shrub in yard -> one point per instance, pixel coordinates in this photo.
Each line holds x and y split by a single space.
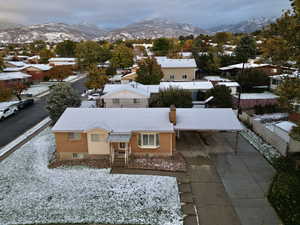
61 97
172 96
284 193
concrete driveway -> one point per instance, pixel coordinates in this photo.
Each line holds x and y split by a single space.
227 189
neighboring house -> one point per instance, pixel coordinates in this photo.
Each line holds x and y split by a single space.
269 70
69 62
37 71
178 69
126 96
128 77
14 64
250 100
276 80
194 87
283 129
11 78
119 133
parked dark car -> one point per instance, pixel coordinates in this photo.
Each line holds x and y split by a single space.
25 103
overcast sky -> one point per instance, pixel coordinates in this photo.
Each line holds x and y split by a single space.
117 13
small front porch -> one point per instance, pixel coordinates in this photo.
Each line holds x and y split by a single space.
120 149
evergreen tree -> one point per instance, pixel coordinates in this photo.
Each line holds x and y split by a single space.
66 48
1 64
222 96
289 93
61 97
172 96
246 49
45 55
252 77
161 46
149 72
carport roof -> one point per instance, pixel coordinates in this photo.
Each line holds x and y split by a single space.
207 119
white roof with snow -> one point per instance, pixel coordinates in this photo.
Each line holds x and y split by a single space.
265 95
43 67
286 126
17 64
215 78
284 76
117 120
190 85
229 84
176 63
246 66
207 119
62 59
13 76
128 91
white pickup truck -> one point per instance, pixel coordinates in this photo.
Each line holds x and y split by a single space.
7 109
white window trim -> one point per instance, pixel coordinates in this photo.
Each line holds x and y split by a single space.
121 147
149 146
74 139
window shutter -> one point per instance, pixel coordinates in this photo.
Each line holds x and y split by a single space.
139 139
157 139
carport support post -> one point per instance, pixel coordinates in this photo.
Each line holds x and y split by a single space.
178 134
237 133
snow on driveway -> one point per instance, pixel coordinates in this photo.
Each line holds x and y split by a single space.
30 193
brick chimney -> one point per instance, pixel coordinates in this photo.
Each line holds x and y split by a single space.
172 114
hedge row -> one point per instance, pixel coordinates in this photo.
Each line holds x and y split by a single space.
284 193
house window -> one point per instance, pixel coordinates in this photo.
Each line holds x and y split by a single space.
184 76
116 101
122 145
148 140
74 136
172 77
274 70
95 137
297 108
136 101
77 156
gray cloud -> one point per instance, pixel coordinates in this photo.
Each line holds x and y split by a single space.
117 13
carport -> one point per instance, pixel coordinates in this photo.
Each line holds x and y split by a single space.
208 120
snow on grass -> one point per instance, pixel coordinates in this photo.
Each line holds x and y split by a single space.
30 193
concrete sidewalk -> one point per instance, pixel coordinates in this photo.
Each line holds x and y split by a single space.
246 178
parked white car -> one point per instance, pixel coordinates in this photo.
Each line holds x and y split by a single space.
7 109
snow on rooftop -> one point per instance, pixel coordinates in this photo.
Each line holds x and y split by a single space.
207 119
176 63
215 78
246 66
17 64
296 74
62 59
286 125
134 119
192 85
31 193
229 84
265 95
13 75
128 91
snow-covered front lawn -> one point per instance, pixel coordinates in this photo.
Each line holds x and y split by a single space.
30 193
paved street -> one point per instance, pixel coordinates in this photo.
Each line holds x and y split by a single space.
16 125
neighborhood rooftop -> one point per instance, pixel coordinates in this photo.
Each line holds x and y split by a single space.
265 95
176 63
246 66
126 120
117 120
13 75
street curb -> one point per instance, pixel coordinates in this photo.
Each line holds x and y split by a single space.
24 138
